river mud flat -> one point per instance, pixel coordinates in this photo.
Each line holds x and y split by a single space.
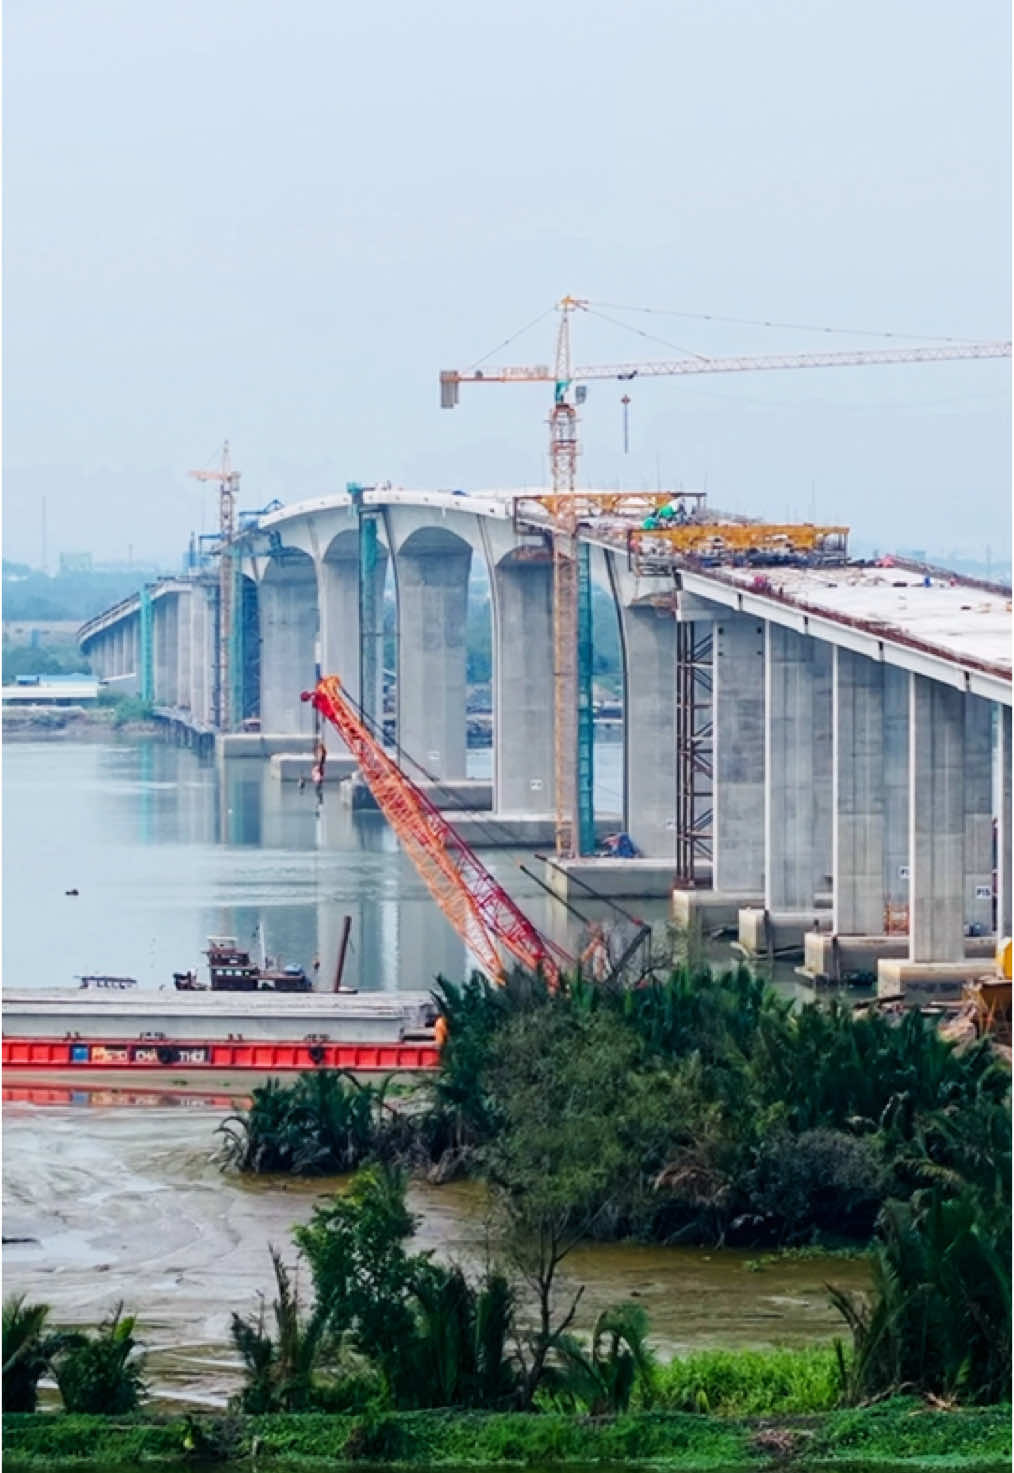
129 1203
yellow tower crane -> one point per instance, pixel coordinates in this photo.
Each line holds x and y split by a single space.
564 449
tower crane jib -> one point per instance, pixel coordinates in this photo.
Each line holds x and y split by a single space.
564 448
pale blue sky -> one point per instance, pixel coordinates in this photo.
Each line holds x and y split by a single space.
278 222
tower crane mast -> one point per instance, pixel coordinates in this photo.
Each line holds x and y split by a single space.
228 490
564 448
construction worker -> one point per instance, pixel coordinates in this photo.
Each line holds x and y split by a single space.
440 1030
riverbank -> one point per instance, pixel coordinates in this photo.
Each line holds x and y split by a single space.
79 723
903 1433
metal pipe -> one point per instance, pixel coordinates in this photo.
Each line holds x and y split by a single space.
343 947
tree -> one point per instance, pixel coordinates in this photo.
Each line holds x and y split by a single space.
362 1276
438 1339
577 1119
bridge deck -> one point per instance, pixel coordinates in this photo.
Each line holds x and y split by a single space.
959 619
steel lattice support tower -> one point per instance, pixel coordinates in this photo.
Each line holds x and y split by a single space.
694 752
371 624
585 705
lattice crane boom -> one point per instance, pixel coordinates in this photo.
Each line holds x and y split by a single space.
477 906
543 373
228 490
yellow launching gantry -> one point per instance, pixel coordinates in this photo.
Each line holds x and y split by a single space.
760 543
656 526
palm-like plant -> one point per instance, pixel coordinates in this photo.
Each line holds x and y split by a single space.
939 1318
280 1371
27 1351
603 1378
323 1124
99 1373
459 1354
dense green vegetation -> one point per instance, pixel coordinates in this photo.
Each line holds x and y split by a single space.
900 1433
324 1124
705 1109
699 1109
751 1383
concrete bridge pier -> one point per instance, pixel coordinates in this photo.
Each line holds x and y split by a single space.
979 810
287 596
793 726
1002 789
895 780
202 653
521 590
870 833
649 729
431 576
166 650
858 794
184 614
823 768
941 760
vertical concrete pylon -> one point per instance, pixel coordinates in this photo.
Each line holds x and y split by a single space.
287 602
649 727
896 828
977 891
184 614
788 761
858 794
936 820
823 761
739 754
431 573
1002 782
521 591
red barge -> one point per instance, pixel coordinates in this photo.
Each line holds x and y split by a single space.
249 1018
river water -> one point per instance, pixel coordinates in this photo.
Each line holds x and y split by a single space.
165 849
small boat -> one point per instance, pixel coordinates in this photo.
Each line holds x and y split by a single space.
115 984
231 969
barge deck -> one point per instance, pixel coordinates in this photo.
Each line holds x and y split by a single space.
365 1032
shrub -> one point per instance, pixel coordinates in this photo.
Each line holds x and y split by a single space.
98 1372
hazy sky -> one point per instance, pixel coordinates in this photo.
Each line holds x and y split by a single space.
278 222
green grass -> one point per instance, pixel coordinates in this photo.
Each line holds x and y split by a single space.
751 1383
907 1430
897 1434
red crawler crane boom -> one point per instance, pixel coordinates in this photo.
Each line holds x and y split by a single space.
480 910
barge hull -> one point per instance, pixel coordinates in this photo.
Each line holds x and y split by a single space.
83 1054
